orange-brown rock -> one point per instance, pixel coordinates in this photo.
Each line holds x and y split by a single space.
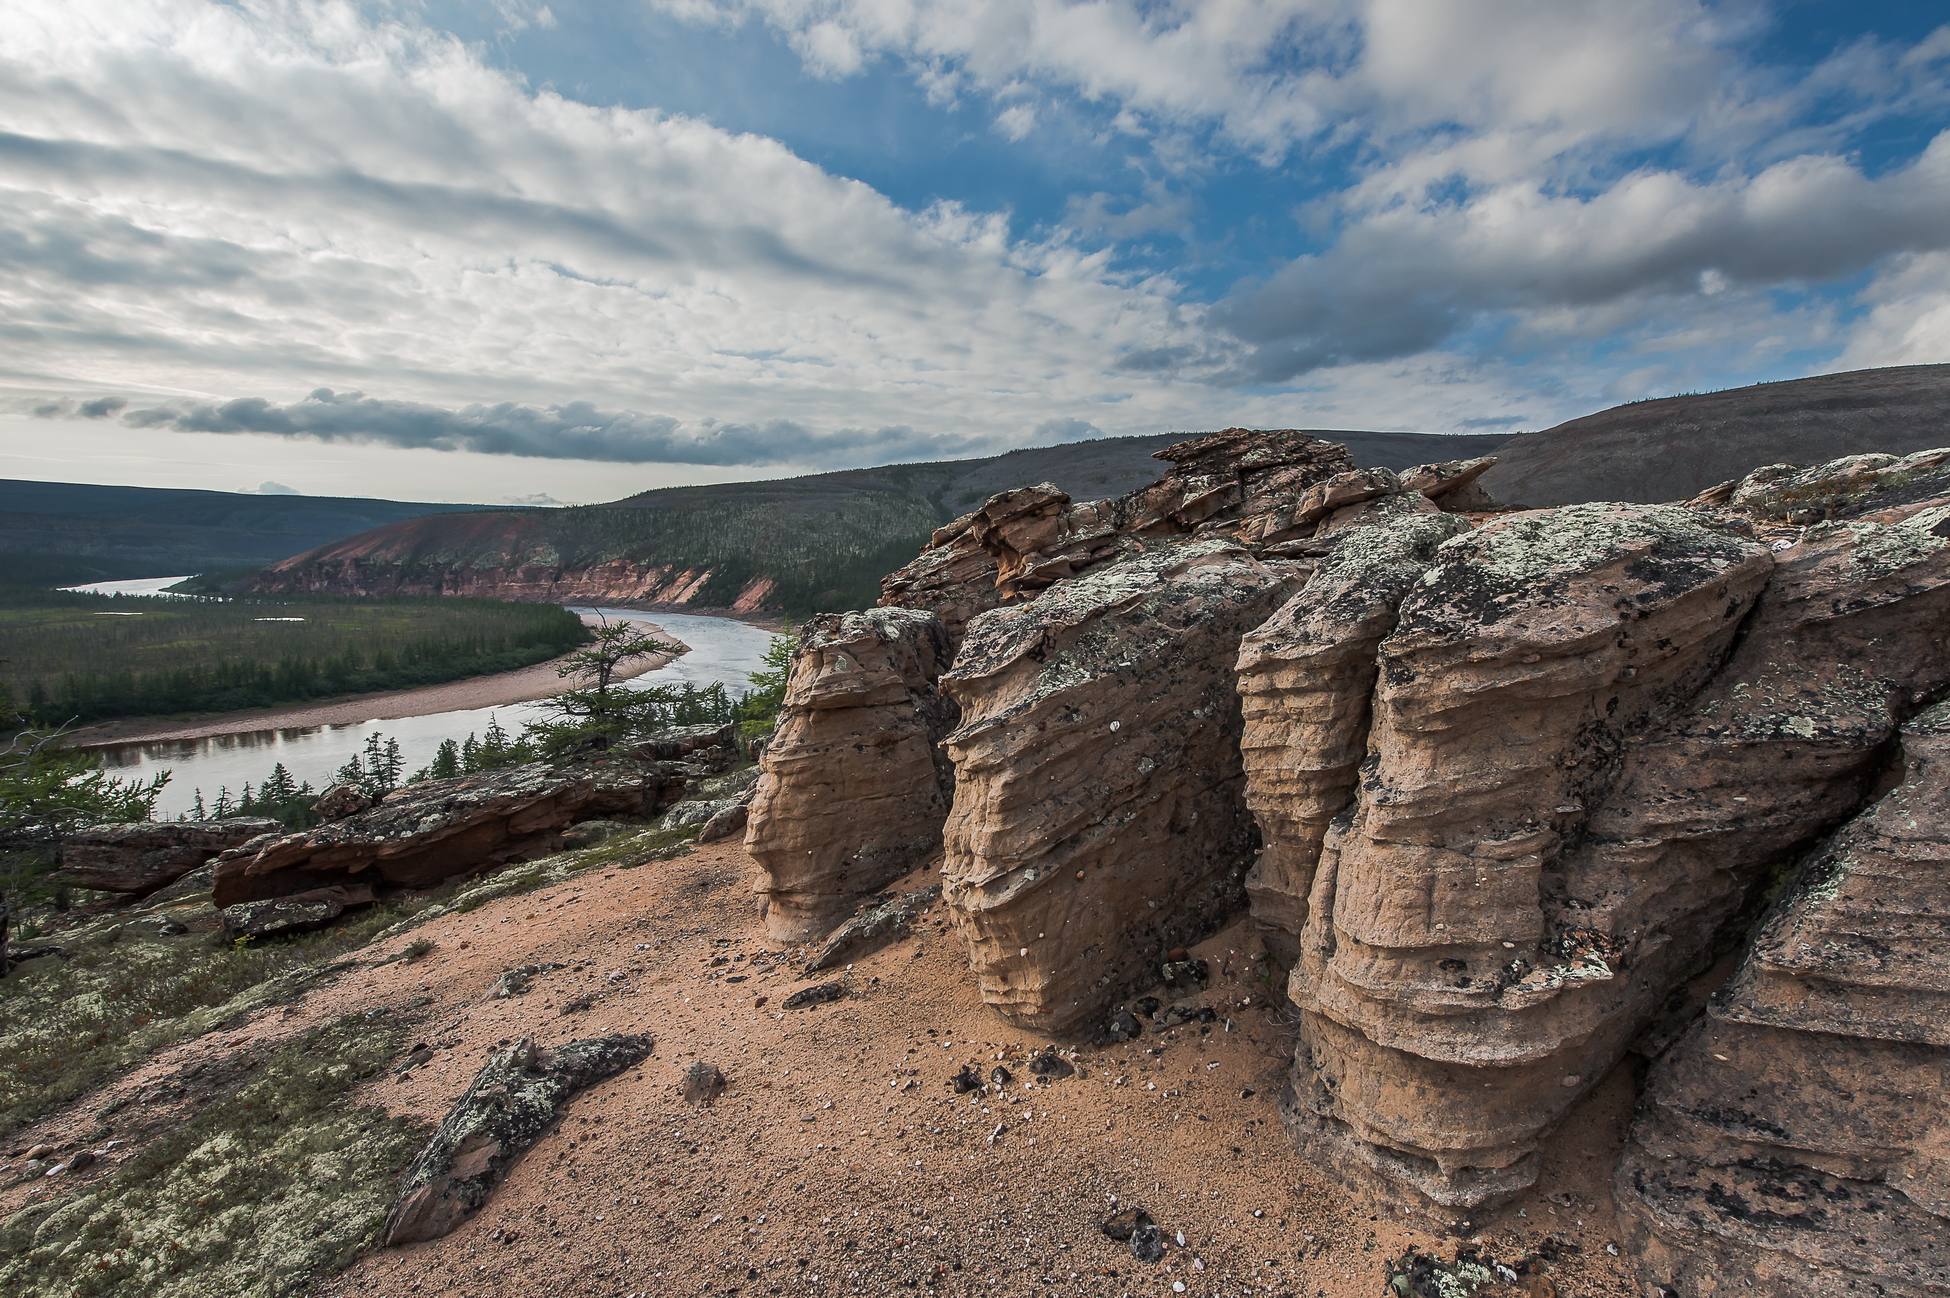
1099 818
440 829
144 856
1793 1141
854 788
1439 963
1453 483
1306 680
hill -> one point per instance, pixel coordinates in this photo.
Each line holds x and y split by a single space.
65 533
802 544
1676 447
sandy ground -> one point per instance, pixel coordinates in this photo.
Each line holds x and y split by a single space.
535 682
840 1160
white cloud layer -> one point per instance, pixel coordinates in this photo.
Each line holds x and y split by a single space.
209 210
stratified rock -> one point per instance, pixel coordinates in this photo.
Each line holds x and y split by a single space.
1839 489
853 787
510 1104
714 747
880 921
1792 1141
1098 818
1306 679
1444 940
425 833
1453 484
300 911
141 857
1021 541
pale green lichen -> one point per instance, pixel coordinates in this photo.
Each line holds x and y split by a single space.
256 1195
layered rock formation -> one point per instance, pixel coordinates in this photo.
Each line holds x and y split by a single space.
1099 817
428 832
1793 1141
145 856
1574 778
853 789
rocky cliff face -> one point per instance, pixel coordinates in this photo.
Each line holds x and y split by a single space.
1793 1140
1099 817
854 786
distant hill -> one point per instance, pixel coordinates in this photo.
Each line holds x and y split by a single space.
802 544
1676 447
66 533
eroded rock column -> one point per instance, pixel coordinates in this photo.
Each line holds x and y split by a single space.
1099 817
1530 654
853 788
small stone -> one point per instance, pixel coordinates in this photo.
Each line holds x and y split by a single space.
966 1080
1052 1065
419 1056
40 1151
86 1158
1148 1245
1147 1005
999 1076
702 1083
1119 1225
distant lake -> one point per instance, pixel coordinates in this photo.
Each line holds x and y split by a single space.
723 650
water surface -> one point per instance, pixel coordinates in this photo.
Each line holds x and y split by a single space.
723 650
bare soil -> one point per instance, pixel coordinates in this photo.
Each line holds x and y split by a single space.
538 681
840 1160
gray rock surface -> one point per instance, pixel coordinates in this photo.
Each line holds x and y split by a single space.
509 1106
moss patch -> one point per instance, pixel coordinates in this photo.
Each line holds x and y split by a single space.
256 1195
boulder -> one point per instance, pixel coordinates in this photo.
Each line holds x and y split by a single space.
295 913
880 921
1453 484
725 822
1792 1141
425 833
853 788
1098 816
1444 954
142 856
1306 679
341 800
714 747
511 1103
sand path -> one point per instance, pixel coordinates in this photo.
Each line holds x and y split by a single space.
519 686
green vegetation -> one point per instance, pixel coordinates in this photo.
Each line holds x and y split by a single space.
46 788
74 657
758 711
256 1193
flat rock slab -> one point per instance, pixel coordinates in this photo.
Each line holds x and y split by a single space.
142 856
510 1105
294 913
880 921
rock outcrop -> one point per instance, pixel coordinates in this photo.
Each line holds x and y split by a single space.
1306 680
512 1102
1793 1141
1099 818
144 856
429 832
1448 957
853 786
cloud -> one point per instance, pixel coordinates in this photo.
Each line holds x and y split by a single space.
1406 279
1054 432
269 488
574 431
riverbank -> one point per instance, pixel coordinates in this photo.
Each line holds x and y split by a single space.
538 681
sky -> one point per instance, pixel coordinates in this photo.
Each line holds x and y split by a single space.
506 251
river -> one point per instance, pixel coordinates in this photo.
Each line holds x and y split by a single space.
723 650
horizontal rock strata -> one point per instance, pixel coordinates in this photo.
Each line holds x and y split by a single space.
1099 818
1793 1141
142 857
439 829
853 787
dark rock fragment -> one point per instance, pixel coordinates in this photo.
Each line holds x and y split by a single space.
304 910
966 1080
1052 1065
819 995
1148 1243
511 1102
1120 1225
880 921
702 1083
